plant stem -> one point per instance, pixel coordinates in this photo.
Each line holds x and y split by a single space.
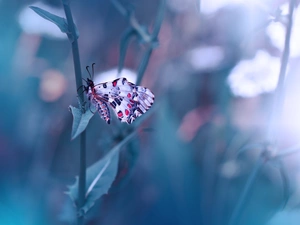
238 208
136 28
76 59
132 20
143 65
82 176
287 152
272 128
75 50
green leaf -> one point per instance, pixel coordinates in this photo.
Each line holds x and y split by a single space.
99 177
80 121
59 21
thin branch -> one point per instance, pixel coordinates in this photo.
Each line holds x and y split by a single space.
132 20
285 184
126 37
75 51
120 8
159 19
76 59
287 152
154 41
272 128
82 176
143 65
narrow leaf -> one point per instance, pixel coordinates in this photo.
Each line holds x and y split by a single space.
286 185
287 152
99 176
120 8
250 147
159 18
59 21
80 121
128 34
99 179
143 65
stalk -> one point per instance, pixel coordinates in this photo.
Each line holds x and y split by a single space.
76 60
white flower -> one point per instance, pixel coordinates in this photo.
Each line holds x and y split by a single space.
205 57
259 75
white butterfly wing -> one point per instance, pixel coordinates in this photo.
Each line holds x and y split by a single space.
127 100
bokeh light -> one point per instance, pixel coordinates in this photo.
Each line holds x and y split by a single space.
113 74
206 57
209 7
255 76
52 86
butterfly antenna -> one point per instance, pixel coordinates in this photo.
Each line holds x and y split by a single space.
87 69
93 70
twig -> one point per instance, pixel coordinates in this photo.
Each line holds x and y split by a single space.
127 35
78 75
287 152
132 20
154 41
137 29
143 65
272 128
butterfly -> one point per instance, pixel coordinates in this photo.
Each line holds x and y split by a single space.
126 99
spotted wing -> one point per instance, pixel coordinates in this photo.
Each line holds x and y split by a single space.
128 100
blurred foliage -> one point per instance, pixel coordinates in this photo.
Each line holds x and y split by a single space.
188 169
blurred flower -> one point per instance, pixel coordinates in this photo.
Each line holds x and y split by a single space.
205 57
230 169
32 23
53 85
208 7
250 78
192 122
276 32
112 74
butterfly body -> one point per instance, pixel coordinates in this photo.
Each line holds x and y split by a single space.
126 99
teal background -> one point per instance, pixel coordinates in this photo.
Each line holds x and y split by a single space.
186 170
